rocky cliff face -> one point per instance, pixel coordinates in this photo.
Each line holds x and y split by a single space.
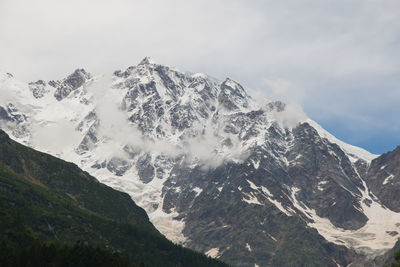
249 182
71 83
383 178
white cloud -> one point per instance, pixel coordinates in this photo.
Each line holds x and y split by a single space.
290 117
283 90
55 137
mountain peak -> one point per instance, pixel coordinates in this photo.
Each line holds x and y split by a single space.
71 83
185 145
147 61
233 96
80 72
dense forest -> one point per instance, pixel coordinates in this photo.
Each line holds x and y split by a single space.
54 254
397 259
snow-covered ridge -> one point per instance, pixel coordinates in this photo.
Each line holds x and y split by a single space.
354 153
135 129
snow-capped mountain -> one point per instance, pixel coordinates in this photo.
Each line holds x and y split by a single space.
248 181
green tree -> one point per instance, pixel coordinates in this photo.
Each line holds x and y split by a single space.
397 259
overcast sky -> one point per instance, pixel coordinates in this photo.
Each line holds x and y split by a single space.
340 60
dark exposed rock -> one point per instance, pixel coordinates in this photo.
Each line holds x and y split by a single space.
145 168
124 74
98 165
383 179
216 217
71 83
167 81
182 117
118 166
232 95
392 233
54 84
336 201
4 115
38 88
10 113
90 139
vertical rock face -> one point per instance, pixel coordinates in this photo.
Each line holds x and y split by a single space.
4 115
71 83
383 178
38 88
245 182
327 179
232 96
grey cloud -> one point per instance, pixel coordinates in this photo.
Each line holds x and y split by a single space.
340 57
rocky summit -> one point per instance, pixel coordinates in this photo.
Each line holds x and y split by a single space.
249 181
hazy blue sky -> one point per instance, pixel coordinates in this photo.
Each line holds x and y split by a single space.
340 60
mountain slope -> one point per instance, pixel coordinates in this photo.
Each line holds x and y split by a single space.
383 178
389 257
196 152
48 199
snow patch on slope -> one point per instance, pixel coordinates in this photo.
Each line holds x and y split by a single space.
372 239
213 253
267 194
251 199
248 247
147 196
388 179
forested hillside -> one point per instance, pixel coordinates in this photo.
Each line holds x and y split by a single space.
51 205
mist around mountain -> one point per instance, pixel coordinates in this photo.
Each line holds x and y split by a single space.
218 169
53 213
